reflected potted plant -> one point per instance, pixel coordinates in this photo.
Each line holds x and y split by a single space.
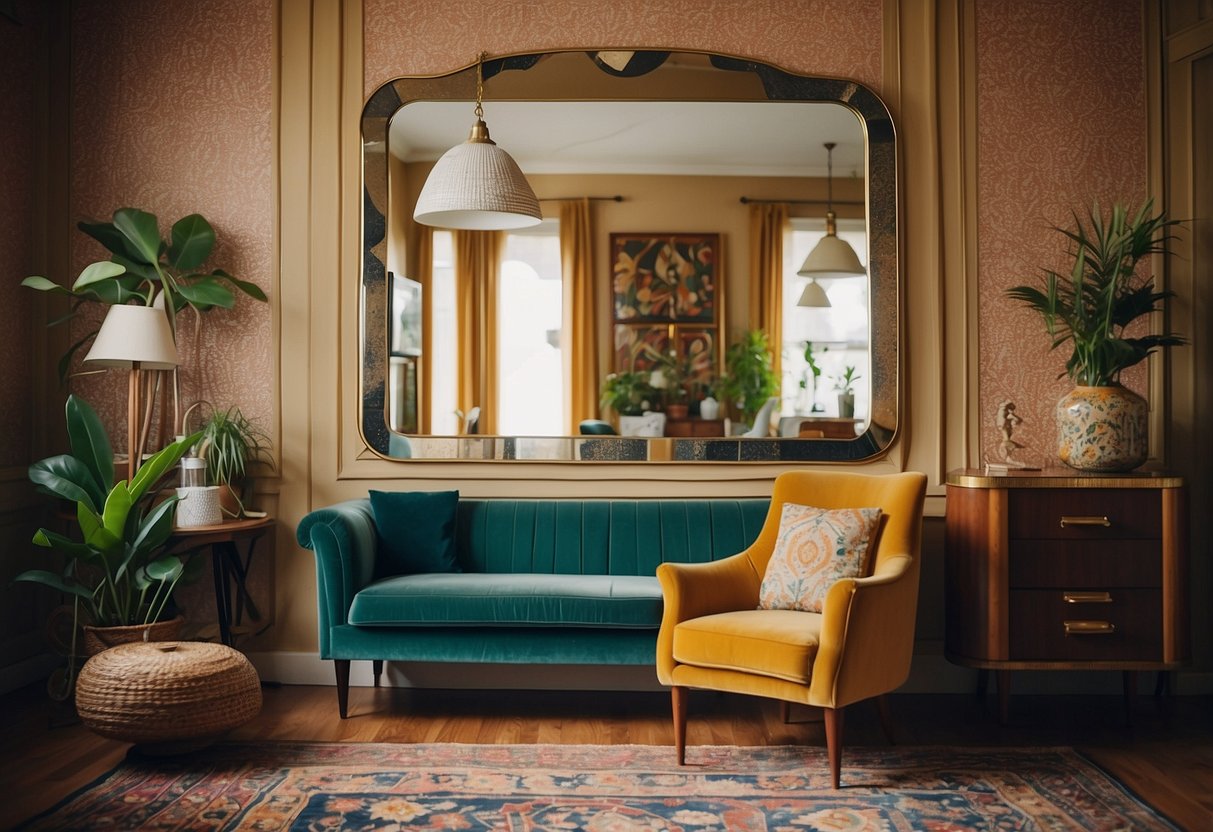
1102 425
632 397
750 378
845 385
668 378
115 568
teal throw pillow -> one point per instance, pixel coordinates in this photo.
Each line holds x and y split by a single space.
416 531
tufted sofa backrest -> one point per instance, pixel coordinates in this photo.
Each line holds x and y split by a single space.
601 537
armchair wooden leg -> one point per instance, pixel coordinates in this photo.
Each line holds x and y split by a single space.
678 700
785 711
342 666
886 718
833 720
377 670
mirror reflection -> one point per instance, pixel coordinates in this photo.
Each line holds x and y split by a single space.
670 226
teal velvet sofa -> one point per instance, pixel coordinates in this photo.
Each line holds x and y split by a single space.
543 581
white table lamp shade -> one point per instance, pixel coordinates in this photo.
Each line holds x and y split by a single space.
132 334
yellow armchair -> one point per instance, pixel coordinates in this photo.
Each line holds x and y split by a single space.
713 635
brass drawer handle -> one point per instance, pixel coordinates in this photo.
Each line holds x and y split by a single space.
1089 628
1085 520
1087 597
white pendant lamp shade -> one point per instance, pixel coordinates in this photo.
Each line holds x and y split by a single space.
831 257
134 334
476 185
814 295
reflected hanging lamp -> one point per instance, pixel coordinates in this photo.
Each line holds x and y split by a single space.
477 185
831 257
814 295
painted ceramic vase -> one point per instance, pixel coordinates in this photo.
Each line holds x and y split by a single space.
1102 429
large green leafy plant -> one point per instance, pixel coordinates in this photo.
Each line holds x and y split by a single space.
751 378
1091 306
143 267
116 564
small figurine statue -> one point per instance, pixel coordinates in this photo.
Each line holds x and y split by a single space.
1007 420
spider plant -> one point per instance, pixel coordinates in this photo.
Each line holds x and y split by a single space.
1102 295
229 442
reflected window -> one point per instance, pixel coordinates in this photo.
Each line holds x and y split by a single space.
444 337
530 363
839 333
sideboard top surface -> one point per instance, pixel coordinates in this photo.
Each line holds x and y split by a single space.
1061 478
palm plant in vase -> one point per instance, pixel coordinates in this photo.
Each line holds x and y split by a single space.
1102 425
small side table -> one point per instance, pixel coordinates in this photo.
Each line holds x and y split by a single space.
229 566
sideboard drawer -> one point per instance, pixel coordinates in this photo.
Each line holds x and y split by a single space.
1086 625
1043 564
1084 514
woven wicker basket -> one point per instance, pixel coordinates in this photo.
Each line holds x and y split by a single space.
97 639
169 697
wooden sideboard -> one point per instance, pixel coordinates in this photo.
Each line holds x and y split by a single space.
1057 570
694 427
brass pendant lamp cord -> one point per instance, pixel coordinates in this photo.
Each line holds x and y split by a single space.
480 84
830 226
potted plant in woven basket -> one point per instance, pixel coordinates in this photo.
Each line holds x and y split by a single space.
115 568
1101 425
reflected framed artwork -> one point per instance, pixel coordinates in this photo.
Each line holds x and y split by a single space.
665 278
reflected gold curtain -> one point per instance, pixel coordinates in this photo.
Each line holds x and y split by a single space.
425 276
580 323
768 223
477 263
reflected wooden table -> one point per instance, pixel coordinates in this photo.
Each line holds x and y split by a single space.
230 567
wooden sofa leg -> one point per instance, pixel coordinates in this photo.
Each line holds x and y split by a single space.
785 711
678 699
833 720
342 666
377 670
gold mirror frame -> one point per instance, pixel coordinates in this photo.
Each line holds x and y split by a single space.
763 82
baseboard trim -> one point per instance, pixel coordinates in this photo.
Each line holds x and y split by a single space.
27 672
309 669
930 673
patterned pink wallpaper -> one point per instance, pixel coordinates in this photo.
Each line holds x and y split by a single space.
1061 122
19 44
840 38
172 113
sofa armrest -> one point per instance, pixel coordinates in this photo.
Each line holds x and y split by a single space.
867 635
692 590
345 541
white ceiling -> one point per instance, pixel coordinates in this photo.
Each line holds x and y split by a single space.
703 138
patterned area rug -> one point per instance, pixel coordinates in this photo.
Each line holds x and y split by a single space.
330 786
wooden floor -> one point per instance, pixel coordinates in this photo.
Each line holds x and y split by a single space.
1166 756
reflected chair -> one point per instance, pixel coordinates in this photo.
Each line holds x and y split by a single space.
596 427
713 636
399 446
762 420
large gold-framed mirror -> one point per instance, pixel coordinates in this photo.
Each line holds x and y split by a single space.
676 157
